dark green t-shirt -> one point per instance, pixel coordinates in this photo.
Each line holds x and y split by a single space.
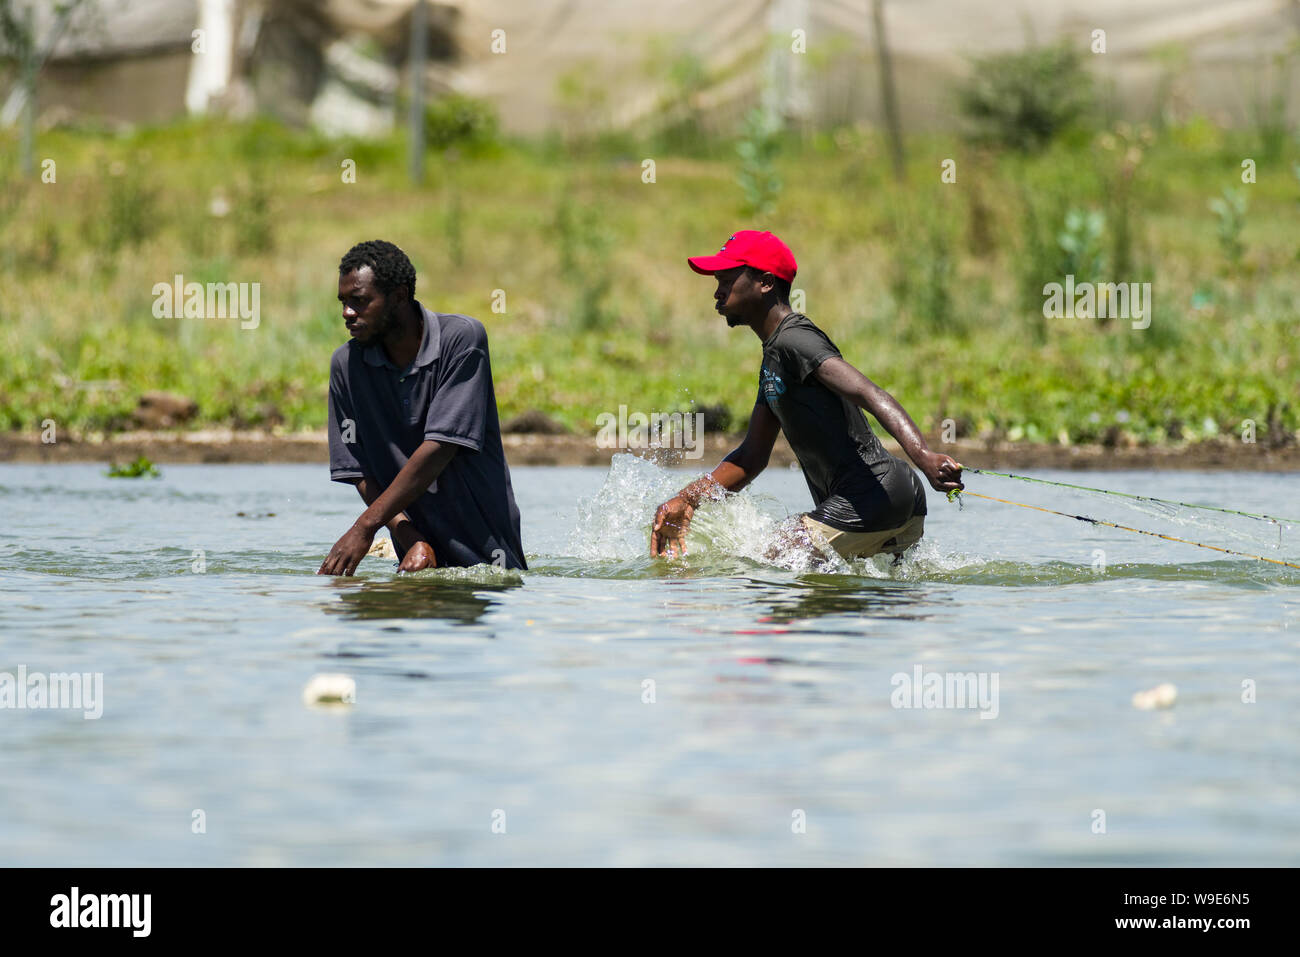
856 485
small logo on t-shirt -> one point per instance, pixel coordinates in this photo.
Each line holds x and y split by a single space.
771 385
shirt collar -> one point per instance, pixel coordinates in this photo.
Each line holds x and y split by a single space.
784 320
430 345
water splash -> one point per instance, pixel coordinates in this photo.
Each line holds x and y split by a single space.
615 525
481 574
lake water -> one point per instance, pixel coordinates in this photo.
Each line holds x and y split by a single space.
606 709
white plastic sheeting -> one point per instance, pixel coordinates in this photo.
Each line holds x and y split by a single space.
1210 56
590 64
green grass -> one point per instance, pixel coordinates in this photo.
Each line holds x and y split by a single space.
932 289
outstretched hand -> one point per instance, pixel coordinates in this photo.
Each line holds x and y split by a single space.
672 520
942 471
347 552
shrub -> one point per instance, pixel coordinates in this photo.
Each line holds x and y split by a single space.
1230 220
1081 242
461 121
1023 100
585 245
758 178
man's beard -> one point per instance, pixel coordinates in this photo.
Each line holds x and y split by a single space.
385 323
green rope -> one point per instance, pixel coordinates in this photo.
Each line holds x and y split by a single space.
1141 498
1128 528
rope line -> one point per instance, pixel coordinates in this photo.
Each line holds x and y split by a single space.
1128 528
1142 498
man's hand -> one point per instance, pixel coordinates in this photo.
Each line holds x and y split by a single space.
348 551
672 519
419 555
943 472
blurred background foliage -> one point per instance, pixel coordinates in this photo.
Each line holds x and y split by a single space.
934 289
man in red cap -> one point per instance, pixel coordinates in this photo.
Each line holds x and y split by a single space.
867 501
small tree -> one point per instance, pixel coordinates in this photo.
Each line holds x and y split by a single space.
759 181
1023 100
21 46
1230 220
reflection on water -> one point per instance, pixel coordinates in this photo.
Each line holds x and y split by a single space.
424 595
816 596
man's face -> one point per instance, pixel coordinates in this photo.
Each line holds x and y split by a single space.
738 295
367 312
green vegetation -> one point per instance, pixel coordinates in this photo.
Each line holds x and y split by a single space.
461 121
759 181
1230 214
934 289
140 468
1024 99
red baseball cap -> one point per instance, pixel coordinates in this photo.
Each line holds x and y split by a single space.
749 247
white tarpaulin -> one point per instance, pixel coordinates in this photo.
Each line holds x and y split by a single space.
588 64
1212 56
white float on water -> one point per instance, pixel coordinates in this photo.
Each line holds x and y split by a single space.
1161 696
330 689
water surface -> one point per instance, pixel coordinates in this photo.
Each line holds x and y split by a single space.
607 709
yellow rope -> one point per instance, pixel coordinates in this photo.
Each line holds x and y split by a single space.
1098 521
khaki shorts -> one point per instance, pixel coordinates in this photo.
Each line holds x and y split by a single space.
866 544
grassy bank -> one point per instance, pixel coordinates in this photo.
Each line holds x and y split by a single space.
934 289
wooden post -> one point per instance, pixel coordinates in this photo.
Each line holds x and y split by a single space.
28 69
888 97
419 54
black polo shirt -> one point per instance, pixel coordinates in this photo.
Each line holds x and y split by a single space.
379 415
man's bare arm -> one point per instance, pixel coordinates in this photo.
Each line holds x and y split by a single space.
843 379
740 467
419 472
402 529
425 464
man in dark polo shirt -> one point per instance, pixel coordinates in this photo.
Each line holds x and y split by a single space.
413 425
867 501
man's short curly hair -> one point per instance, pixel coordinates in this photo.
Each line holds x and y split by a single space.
389 264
